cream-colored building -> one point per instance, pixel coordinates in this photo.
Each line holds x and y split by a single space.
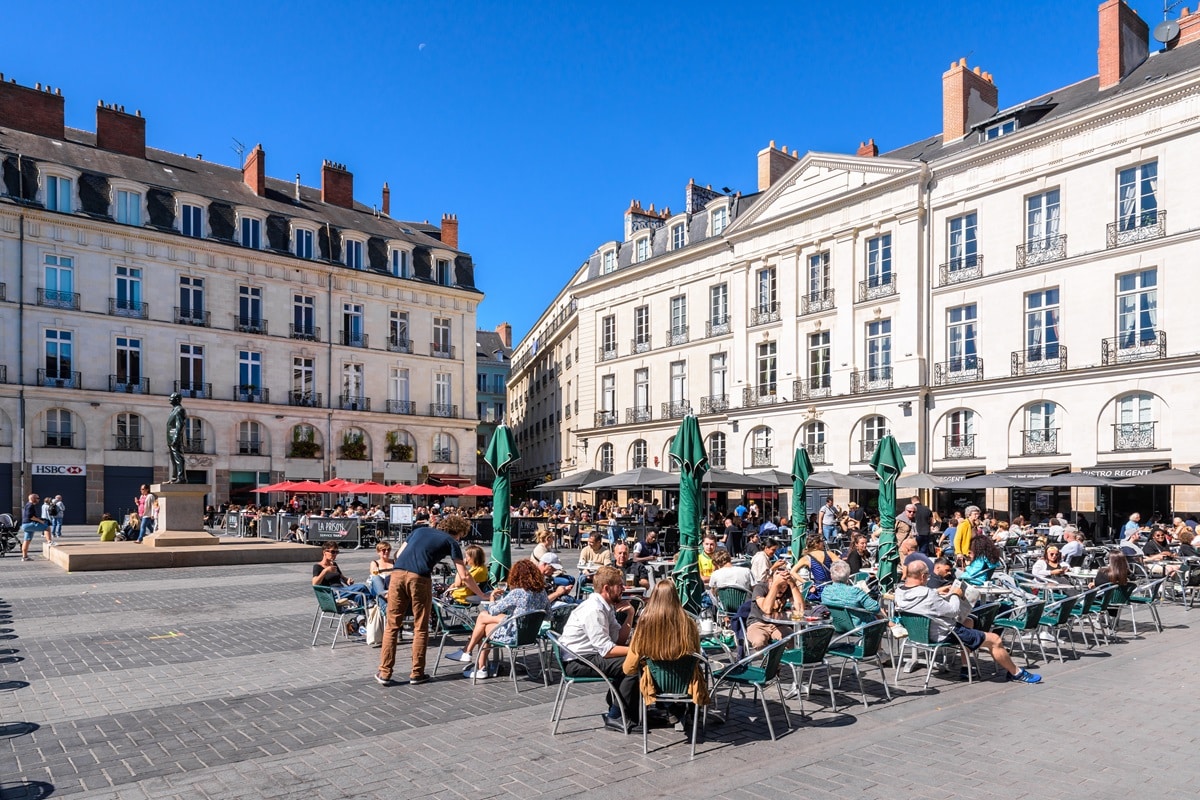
1011 295
310 335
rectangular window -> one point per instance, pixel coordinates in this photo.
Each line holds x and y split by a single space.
641 388
191 368
608 336
1137 307
129 208
250 316
1042 220
249 370
718 304
481 382
963 249
443 275
59 350
608 393
129 361
879 350
1000 129
354 253
641 328
679 316
678 232
304 316
303 243
1137 196
58 194
819 370
129 291
353 387
400 263
879 260
398 332
441 335
718 385
678 381
191 298
398 385
251 233
304 379
720 220
442 389
961 333
352 325
191 220
59 279
766 290
818 276
608 262
643 249
767 370
1041 325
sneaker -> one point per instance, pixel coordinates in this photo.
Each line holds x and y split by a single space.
26 558
475 673
461 656
1025 676
382 681
418 680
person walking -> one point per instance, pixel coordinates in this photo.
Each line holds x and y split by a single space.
49 510
32 523
147 509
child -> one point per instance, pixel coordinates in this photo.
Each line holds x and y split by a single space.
473 555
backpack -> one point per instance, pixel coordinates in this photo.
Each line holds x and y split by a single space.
52 509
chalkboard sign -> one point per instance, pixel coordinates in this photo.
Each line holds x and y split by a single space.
400 514
343 530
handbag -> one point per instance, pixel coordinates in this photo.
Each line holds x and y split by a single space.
374 627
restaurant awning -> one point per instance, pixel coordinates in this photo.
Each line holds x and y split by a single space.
1125 469
1025 473
450 479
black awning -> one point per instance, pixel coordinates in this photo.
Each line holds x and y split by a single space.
952 476
1125 469
1022 473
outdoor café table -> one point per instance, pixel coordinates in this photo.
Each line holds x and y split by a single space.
659 568
1081 577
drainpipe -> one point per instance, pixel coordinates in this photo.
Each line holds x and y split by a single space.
329 362
924 298
22 439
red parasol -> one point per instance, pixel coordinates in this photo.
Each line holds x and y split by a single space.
475 491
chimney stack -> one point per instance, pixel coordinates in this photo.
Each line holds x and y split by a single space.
450 231
505 331
35 111
1189 28
868 149
387 200
772 164
254 171
1124 42
119 132
968 98
337 185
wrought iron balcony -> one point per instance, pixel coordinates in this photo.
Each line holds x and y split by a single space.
638 462
63 439
354 402
128 385
764 313
193 444
52 298
761 457
640 344
443 410
304 399
1133 436
195 391
442 455
122 441
638 414
957 270
677 335
1137 228
250 447
867 447
1133 346
126 308
191 316
399 344
250 325
811 387
676 409
816 452
606 419
249 393
761 395
62 379
1040 442
872 379
401 407
441 350
1042 251
960 445
714 404
1038 360
966 369
717 326
608 353
877 287
715 459
354 339
306 333
812 302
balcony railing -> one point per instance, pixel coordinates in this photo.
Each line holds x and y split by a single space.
305 399
191 316
123 441
251 394
399 344
677 336
1133 436
52 298
872 379
1133 346
967 369
1137 228
353 402
812 302
250 447
128 385
867 447
761 395
638 462
676 409
605 419
816 452
250 325
714 404
957 270
441 350
193 444
442 456
638 414
354 339
1038 360
763 313
443 410
640 344
401 407
960 445
761 457
717 326
59 380
1041 442
811 387
877 287
306 333
126 308
608 353
58 439
195 391
715 459
1042 251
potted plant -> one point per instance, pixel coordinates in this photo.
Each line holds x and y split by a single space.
354 447
304 444
398 450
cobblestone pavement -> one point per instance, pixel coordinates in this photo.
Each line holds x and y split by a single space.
201 683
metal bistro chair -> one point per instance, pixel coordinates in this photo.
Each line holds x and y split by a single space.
528 629
556 620
1080 614
1055 617
808 656
744 674
328 609
1132 596
859 645
1022 620
452 620
917 626
671 681
561 654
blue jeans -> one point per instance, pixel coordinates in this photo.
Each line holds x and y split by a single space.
30 529
829 532
146 528
56 525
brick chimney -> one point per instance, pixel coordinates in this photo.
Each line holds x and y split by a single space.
1124 42
387 200
254 171
1189 28
505 331
119 132
772 164
968 97
337 185
868 149
450 230
35 110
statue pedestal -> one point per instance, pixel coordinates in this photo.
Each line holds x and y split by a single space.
180 516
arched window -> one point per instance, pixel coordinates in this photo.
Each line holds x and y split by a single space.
443 448
60 428
250 438
401 446
1134 428
672 464
354 445
873 430
638 454
604 458
128 434
306 443
960 434
716 449
814 442
761 439
1040 436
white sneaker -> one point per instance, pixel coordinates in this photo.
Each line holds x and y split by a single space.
461 656
477 673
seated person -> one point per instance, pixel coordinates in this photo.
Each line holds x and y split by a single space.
816 561
133 523
327 573
647 549
1157 554
635 574
1187 547
708 546
477 568
984 559
752 544
860 555
558 582
545 544
840 592
379 579
665 632
1131 543
946 607
1074 550
943 573
107 530
760 565
293 534
726 575
769 601
1050 567
594 553
907 548
526 592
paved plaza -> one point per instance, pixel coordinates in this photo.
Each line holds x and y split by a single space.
201 683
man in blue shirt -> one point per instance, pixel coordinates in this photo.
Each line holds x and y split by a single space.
31 523
411 589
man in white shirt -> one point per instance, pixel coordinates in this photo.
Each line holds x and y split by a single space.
726 575
760 565
592 633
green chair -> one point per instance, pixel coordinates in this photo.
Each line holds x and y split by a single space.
562 654
451 620
556 620
745 674
671 681
1080 613
919 641
1055 617
1146 596
328 609
1021 621
527 628
847 618
858 645
808 655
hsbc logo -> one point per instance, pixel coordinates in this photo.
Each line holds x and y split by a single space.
60 470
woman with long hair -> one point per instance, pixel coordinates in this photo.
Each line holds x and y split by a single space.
817 560
665 632
526 592
476 567
983 559
1115 572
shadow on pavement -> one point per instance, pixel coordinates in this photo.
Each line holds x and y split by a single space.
29 790
11 730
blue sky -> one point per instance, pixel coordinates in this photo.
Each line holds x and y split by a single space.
537 123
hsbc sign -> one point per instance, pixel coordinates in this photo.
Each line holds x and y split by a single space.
60 470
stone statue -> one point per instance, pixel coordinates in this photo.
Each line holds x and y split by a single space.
176 423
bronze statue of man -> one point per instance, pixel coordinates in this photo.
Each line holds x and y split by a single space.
176 422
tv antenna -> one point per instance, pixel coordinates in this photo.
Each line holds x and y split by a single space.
238 148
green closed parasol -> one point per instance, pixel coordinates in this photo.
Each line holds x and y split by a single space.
888 463
500 455
801 469
688 452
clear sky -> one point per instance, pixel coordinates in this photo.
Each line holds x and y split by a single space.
536 123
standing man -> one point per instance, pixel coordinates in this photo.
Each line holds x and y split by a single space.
147 506
49 512
176 422
923 519
829 518
411 589
31 522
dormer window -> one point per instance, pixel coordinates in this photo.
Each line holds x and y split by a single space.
302 243
442 272
642 249
252 233
720 220
354 253
128 207
678 235
191 220
999 129
400 268
58 194
608 262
